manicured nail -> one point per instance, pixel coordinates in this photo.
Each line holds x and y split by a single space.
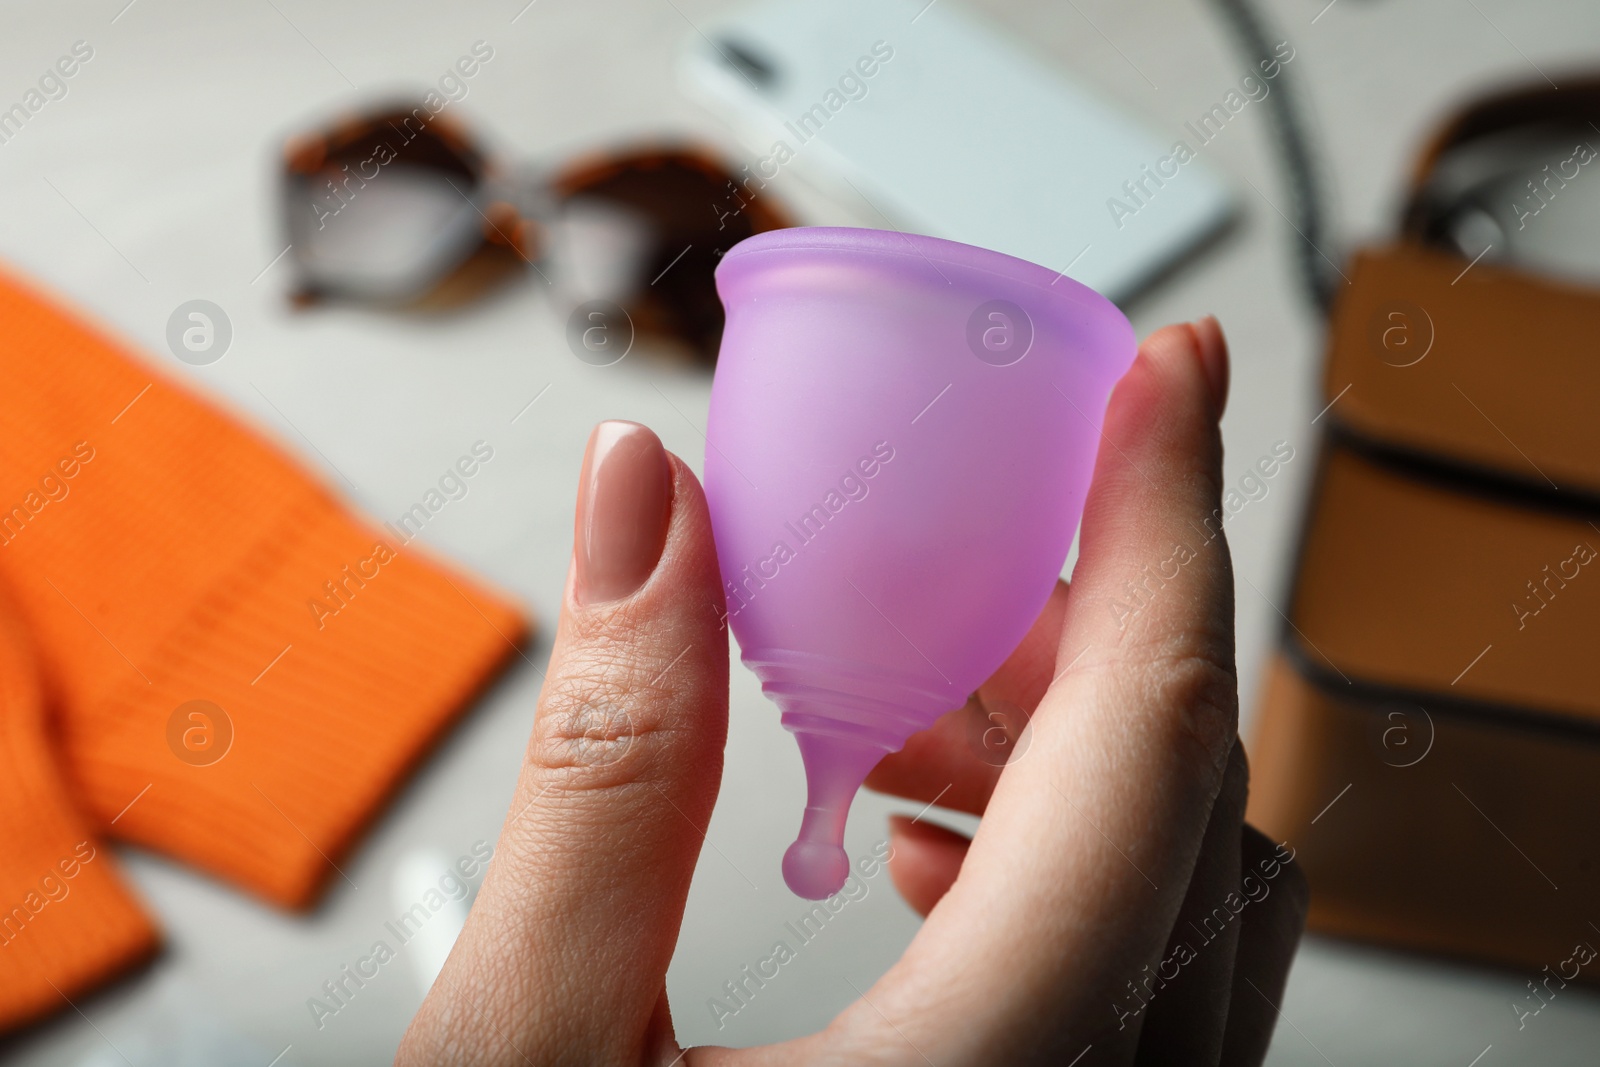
624 503
1213 359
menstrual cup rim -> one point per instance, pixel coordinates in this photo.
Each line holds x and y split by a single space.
865 240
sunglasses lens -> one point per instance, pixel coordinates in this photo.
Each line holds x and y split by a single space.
647 231
384 212
390 239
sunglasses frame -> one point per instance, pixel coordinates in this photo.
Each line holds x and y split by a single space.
516 210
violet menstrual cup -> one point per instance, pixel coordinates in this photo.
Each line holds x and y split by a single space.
901 436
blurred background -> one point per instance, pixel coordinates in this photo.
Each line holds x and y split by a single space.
155 181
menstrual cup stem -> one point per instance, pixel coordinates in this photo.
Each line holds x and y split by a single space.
816 865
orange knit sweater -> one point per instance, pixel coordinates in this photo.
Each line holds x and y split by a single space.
165 675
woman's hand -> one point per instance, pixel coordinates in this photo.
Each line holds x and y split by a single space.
1112 907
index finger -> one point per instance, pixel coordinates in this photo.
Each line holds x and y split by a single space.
1129 744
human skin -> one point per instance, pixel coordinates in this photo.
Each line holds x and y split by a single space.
1119 825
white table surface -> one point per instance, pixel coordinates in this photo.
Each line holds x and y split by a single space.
160 158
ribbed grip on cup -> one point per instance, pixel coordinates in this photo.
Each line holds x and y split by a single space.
846 717
847 699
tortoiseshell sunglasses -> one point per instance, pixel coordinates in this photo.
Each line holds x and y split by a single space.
401 207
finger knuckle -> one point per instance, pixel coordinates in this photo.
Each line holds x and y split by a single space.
600 726
1236 778
1297 887
1281 864
1198 698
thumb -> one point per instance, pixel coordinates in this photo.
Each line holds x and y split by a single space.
568 943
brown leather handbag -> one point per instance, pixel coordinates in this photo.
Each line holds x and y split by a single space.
1429 733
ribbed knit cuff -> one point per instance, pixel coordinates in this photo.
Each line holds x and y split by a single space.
68 927
67 923
288 704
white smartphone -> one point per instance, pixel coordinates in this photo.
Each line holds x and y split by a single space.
947 129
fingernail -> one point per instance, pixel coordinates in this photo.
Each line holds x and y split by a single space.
1213 359
624 503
